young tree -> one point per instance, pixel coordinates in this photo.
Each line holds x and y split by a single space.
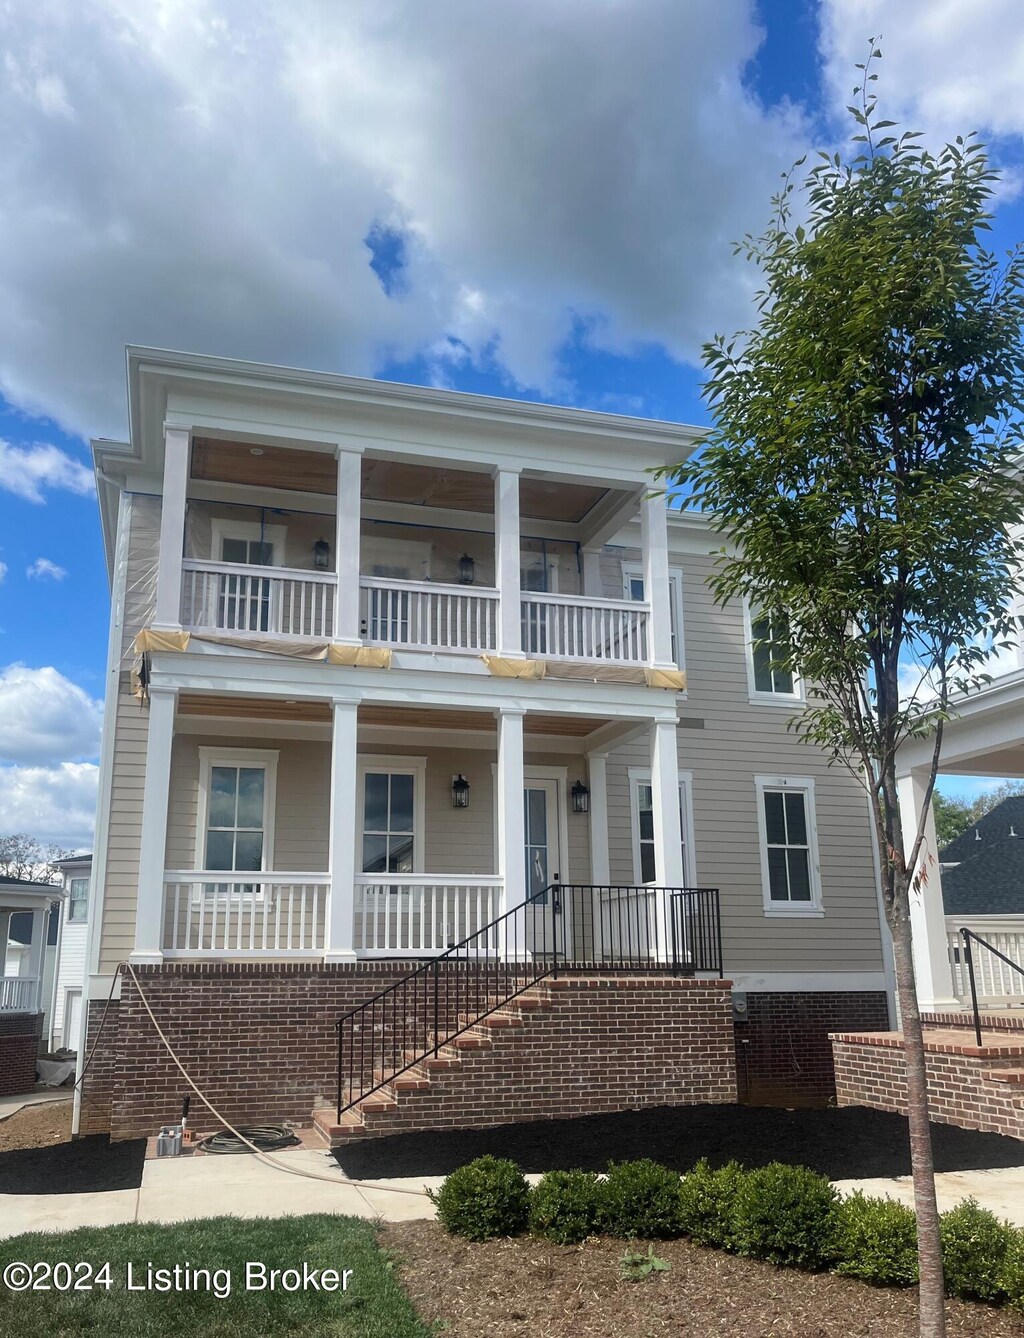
862 462
953 815
22 856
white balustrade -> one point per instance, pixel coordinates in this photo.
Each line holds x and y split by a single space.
997 984
19 994
398 914
211 913
427 615
257 601
572 627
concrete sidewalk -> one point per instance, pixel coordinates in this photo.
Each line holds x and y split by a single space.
176 1189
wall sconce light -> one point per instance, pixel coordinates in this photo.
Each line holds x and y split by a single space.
321 555
460 792
580 798
467 570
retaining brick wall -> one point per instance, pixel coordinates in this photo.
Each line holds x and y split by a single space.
20 1040
783 1054
260 1040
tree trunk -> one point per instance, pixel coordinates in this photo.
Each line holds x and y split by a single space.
932 1286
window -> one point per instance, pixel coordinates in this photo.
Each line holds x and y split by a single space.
246 602
78 900
237 799
789 855
768 641
633 588
392 815
642 811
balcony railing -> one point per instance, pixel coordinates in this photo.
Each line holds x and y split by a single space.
425 615
997 982
211 913
19 994
572 627
398 914
257 601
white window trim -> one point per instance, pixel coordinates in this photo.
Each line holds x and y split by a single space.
394 765
249 530
642 776
237 757
631 570
84 919
758 698
789 910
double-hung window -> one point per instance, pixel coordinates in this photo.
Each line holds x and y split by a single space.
237 797
392 816
767 646
78 900
789 846
633 588
642 813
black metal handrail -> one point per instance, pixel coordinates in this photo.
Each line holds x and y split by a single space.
967 935
596 927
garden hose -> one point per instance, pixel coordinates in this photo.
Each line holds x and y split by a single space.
249 1138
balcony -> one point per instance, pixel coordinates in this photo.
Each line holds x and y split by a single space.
19 994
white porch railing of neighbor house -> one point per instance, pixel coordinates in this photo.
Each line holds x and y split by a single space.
19 994
427 615
257 601
399 913
571 627
997 983
212 913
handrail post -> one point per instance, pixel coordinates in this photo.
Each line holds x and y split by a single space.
340 1062
966 935
553 898
437 969
673 901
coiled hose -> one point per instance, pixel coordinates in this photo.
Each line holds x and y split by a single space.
265 1137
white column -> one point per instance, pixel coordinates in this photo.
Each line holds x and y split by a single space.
511 828
338 943
177 452
37 956
668 834
346 546
592 585
507 546
149 910
927 914
597 770
654 537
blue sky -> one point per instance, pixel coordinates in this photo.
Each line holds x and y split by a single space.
288 183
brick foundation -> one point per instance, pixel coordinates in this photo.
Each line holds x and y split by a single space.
259 1039
783 1054
20 1041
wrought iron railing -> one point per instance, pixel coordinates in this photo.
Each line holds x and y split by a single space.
587 927
967 935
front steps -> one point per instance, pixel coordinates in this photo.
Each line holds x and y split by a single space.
573 1046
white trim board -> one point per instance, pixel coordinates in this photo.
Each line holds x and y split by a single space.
813 982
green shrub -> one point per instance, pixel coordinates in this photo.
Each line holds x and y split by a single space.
640 1199
565 1206
975 1244
1012 1278
877 1241
707 1203
787 1215
489 1197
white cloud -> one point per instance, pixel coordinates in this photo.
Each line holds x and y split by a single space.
3 571
948 67
28 470
45 718
45 570
203 174
55 803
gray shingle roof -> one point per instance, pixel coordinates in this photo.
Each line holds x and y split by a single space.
989 874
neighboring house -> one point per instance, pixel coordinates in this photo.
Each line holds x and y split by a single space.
27 926
384 662
983 869
69 982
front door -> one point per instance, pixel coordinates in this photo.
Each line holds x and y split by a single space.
543 844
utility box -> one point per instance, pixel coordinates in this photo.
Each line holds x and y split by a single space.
168 1141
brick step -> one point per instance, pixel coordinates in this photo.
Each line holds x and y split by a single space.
501 1018
1006 1075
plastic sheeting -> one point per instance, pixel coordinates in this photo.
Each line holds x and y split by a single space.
673 679
501 667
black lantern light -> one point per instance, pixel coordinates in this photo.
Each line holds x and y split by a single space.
467 570
580 798
321 555
460 792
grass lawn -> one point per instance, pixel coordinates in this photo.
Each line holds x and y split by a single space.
373 1306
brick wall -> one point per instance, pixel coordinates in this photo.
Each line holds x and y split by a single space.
783 1054
870 1071
260 1040
20 1039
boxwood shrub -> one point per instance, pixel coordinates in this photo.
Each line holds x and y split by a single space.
1012 1279
488 1197
641 1198
975 1245
787 1215
707 1204
877 1241
565 1206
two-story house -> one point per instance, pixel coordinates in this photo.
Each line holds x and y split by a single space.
394 670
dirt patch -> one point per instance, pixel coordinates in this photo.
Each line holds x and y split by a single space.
36 1126
848 1144
84 1166
530 1289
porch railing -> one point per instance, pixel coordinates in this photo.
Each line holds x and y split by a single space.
19 994
257 601
426 615
572 627
623 927
998 961
973 945
421 913
210 913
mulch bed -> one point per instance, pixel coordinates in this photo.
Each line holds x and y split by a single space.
526 1288
851 1143
38 1157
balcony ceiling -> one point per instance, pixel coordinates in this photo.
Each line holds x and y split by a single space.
293 470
